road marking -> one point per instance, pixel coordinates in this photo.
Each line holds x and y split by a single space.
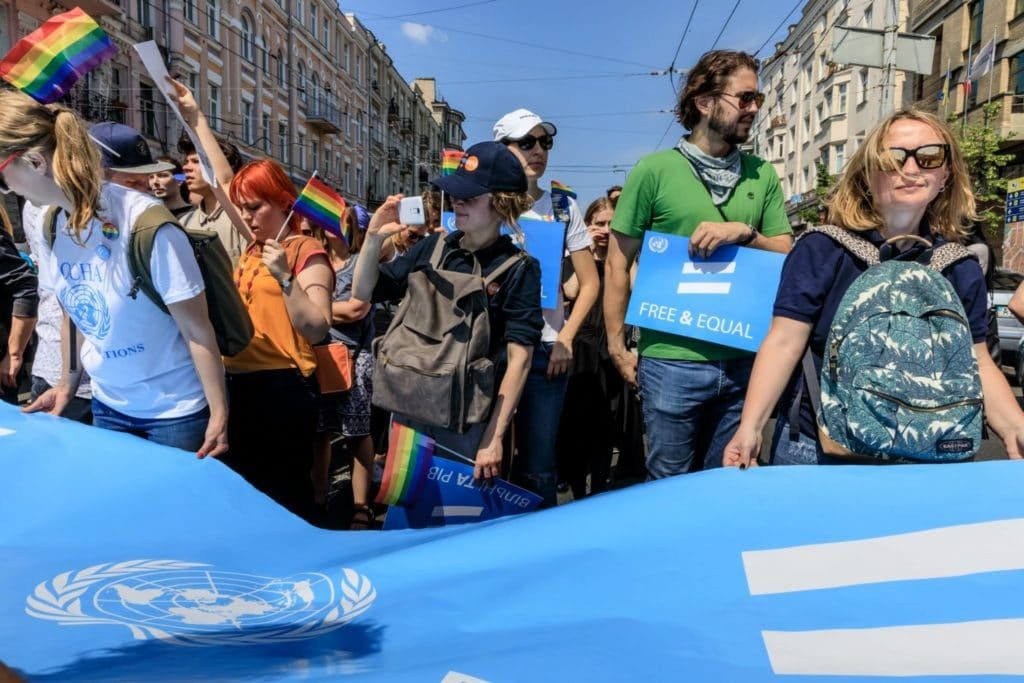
709 267
973 648
932 554
457 511
703 288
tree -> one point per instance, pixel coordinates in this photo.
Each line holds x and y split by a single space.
823 184
980 145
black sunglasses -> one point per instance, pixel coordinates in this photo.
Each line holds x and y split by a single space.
747 98
527 142
926 156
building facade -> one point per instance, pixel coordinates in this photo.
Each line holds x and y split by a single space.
299 81
817 111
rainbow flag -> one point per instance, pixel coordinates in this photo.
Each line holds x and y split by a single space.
450 161
409 457
323 206
47 62
562 188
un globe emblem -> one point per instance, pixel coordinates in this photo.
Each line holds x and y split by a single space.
196 604
658 244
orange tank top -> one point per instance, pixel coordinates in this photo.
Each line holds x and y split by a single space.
276 344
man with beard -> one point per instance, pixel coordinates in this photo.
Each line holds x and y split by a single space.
705 189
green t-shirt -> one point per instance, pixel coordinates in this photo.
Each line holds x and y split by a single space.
664 194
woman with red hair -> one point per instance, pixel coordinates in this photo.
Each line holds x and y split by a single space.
285 279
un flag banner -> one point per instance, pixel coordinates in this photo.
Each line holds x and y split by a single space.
132 562
726 299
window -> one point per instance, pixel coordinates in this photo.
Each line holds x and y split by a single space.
807 180
281 69
300 12
868 19
247 123
190 11
265 54
819 117
822 67
315 89
359 128
359 182
212 19
145 11
314 147
807 126
828 103
193 82
840 158
265 130
302 150
348 56
326 34
862 90
976 9
808 76
841 93
302 83
282 141
1018 8
359 69
148 109
348 177
246 34
312 19
215 106
1017 73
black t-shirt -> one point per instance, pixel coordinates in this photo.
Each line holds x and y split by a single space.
513 312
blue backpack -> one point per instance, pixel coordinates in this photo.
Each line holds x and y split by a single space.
899 378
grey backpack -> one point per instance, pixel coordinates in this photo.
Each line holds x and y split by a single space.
433 363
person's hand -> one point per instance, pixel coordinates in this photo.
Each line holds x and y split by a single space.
487 466
275 259
710 236
743 449
560 358
625 362
1014 443
598 236
385 221
216 440
187 105
53 401
9 368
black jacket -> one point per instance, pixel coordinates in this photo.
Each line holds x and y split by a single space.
19 288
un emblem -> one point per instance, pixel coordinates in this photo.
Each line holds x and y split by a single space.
658 244
88 309
194 604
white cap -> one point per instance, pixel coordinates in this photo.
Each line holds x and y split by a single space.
518 124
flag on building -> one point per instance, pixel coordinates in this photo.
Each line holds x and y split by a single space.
47 62
450 160
944 93
325 207
983 61
409 456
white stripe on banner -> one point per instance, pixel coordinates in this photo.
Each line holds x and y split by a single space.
932 554
704 288
973 648
4 431
457 511
709 267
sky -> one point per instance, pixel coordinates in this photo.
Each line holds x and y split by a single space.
583 65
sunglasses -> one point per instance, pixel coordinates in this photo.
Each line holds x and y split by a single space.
747 98
4 164
926 156
527 142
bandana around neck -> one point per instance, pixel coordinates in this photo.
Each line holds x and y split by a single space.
719 174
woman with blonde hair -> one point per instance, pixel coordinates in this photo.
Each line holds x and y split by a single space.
154 374
907 180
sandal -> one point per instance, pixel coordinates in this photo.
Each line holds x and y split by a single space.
363 518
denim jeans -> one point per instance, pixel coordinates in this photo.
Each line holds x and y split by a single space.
537 420
691 408
804 450
78 409
186 433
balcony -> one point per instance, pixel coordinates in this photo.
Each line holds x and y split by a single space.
392 113
323 116
95 8
393 155
93 107
777 122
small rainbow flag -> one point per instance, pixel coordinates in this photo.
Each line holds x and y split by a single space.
409 457
323 206
450 160
47 62
562 188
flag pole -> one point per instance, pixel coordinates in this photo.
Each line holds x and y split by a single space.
991 67
966 88
291 213
945 95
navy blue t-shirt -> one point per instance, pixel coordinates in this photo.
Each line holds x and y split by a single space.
816 275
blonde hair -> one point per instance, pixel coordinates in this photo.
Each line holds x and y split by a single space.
949 215
510 206
58 134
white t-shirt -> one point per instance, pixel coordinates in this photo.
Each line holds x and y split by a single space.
576 239
138 361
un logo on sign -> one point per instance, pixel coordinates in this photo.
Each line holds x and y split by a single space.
658 244
193 604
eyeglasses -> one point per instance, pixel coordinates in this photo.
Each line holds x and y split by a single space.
747 98
527 142
4 189
926 156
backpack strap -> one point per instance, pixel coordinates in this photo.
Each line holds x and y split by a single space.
945 255
857 246
140 251
437 255
50 224
509 263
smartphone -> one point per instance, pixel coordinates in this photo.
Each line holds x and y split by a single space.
410 211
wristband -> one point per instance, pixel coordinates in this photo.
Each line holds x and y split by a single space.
749 238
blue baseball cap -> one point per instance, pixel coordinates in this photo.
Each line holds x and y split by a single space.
125 150
485 167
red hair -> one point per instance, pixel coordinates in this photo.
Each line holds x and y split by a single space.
265 179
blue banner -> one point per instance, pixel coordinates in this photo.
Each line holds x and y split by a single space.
545 241
726 299
132 562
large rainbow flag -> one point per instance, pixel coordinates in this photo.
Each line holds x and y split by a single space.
409 457
325 207
450 160
47 62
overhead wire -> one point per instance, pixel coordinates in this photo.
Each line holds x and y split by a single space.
727 20
798 5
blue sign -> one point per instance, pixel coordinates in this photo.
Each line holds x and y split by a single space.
1015 201
451 496
726 299
545 241
128 561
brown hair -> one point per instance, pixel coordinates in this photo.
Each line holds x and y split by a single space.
599 204
710 75
510 206
432 208
58 134
950 214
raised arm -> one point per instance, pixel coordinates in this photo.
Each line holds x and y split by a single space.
383 224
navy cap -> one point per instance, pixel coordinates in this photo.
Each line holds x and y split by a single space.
485 167
124 149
